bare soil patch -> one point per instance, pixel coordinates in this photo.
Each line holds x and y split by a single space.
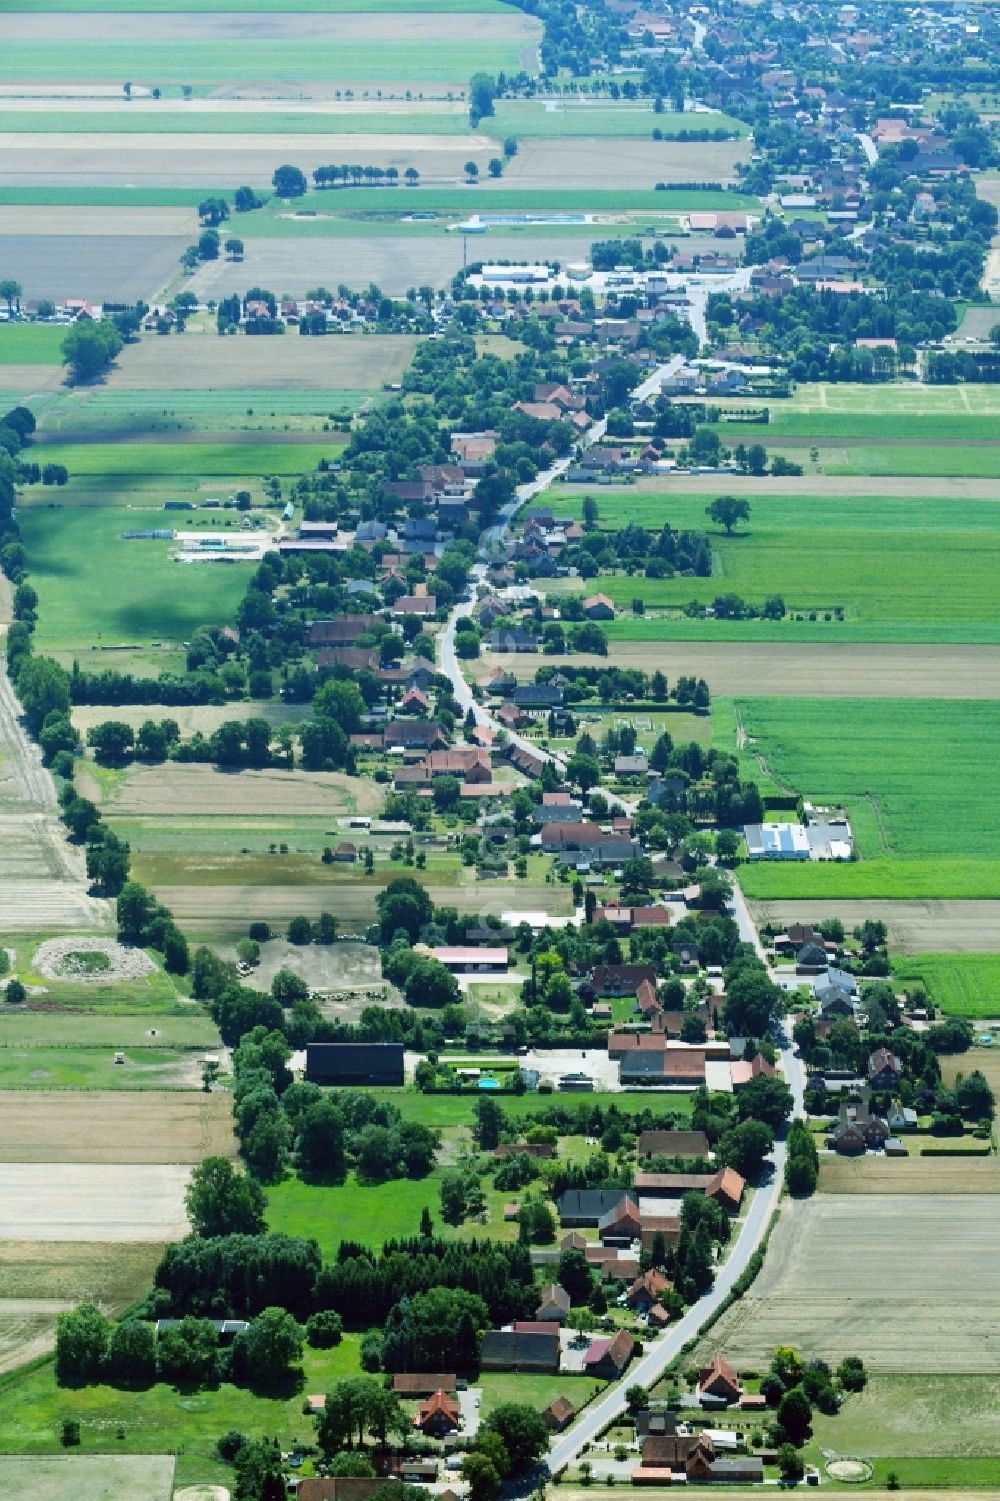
104 1127
337 966
120 269
29 379
616 163
92 1202
766 669
915 927
205 362
203 790
954 487
910 1282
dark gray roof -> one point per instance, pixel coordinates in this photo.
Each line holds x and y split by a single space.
589 1203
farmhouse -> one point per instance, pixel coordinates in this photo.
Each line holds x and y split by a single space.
609 1358
437 1415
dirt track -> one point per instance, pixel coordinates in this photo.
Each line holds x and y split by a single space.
915 927
814 670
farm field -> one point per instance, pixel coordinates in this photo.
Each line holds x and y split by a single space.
934 1311
102 1127
199 791
124 268
939 930
901 569
69 1028
249 7
88 1477
779 669
960 985
31 344
985 1060
910 1175
605 160
295 366
911 774
904 1416
92 1202
70 551
137 459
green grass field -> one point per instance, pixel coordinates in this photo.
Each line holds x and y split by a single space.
913 775
902 569
240 61
94 1068
54 1029
144 119
94 588
932 1430
903 398
32 1408
917 458
958 984
535 1390
149 412
211 460
31 344
249 7
602 118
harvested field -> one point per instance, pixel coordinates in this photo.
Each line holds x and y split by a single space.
392 262
915 927
205 362
103 1127
92 1202
985 1060
192 719
910 1282
204 790
910 1175
123 269
610 163
61 219
87 1477
24 381
823 486
765 669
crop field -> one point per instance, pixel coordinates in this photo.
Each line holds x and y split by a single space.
249 7
903 400
31 343
901 569
909 1175
960 985
123 269
911 772
899 459
196 791
88 1477
562 163
232 117
985 1060
101 1127
298 367
601 118
232 457
93 1201
420 59
152 600
922 1296
191 718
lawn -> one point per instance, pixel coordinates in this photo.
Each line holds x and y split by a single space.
151 598
88 1477
95 1068
370 1214
958 984
901 569
31 343
55 1029
243 61
920 1423
535 1390
32 1407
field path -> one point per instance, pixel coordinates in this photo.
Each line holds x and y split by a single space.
43 882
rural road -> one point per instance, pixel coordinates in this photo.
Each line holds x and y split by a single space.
494 537
647 1371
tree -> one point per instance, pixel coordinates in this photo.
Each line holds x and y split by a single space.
974 1097
790 1463
15 994
266 1351
430 983
795 1414
523 1433
289 182
471 171
495 166
82 1338
131 1357
187 1354
764 1099
746 1147
584 771
222 1201
727 510
851 1373
89 350
43 688
324 1329
481 1476
403 906
234 248
320 1143
575 1275
10 291
112 742
453 1198
208 245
